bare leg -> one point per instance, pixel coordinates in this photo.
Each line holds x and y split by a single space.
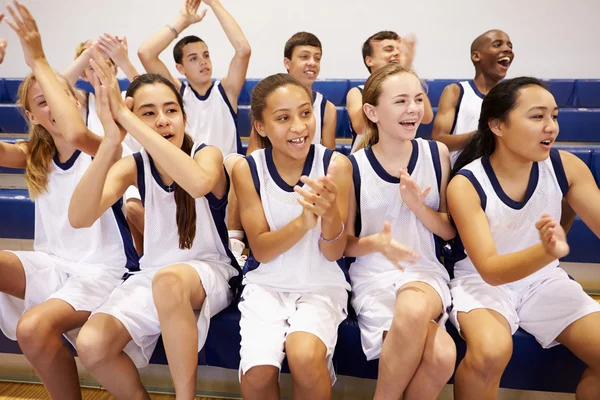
306 355
39 333
100 347
13 275
177 292
134 210
261 383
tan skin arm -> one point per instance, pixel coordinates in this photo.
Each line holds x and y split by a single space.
13 155
355 110
442 126
329 125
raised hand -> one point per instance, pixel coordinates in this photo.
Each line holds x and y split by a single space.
3 44
407 51
321 198
112 131
114 48
394 251
411 193
553 237
189 12
26 29
108 81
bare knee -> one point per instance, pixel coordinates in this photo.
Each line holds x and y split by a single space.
260 378
411 317
94 347
33 332
489 355
440 359
168 290
307 361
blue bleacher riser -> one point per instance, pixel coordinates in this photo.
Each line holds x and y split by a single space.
11 86
334 89
435 87
587 93
11 119
4 96
246 93
87 86
244 125
16 214
579 125
562 90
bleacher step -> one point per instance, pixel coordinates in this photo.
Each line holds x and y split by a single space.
12 181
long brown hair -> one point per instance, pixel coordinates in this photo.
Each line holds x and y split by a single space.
41 144
371 94
258 103
185 204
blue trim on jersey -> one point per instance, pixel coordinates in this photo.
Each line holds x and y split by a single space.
460 97
141 182
469 175
67 164
323 105
531 186
559 171
275 174
254 172
167 188
87 107
382 173
234 115
477 92
327 159
198 96
200 147
133 260
437 165
357 217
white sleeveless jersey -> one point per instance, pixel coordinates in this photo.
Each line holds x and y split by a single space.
210 118
107 244
130 145
319 103
378 200
355 138
161 239
512 223
468 109
303 268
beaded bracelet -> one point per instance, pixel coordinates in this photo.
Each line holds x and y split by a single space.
173 30
334 239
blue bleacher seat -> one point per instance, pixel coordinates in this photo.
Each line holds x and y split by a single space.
244 124
16 214
435 87
355 82
11 119
587 93
579 125
12 89
334 89
87 86
342 129
562 90
246 93
583 243
4 97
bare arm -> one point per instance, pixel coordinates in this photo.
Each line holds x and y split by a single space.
472 224
75 70
583 195
253 142
428 112
355 110
236 76
329 124
265 244
442 126
117 50
13 155
150 50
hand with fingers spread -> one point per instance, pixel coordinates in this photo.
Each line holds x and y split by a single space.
189 12
411 193
26 29
407 51
114 48
321 198
108 81
553 236
394 251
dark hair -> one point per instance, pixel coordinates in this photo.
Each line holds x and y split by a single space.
259 99
300 39
178 49
367 50
496 105
185 204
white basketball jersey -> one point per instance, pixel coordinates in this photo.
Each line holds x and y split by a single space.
319 103
130 145
161 238
468 109
303 268
210 118
355 138
106 244
512 223
378 200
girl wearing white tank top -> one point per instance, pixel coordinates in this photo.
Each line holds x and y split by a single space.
51 291
186 268
296 294
396 222
505 199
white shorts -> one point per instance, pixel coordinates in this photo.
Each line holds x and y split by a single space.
543 308
376 310
132 304
269 317
49 277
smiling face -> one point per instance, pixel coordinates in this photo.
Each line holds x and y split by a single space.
39 112
158 107
531 126
195 63
493 54
305 64
399 108
288 121
383 52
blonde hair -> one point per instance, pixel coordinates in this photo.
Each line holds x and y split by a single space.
371 94
81 47
41 147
